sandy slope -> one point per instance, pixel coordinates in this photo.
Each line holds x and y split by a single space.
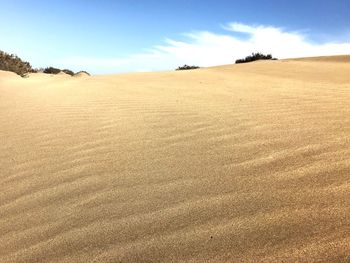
240 163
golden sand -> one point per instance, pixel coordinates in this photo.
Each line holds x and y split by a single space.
238 163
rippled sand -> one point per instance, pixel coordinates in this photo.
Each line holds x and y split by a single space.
238 163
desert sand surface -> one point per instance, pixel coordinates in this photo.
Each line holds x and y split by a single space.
237 163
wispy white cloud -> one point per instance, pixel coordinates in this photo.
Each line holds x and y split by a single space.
205 48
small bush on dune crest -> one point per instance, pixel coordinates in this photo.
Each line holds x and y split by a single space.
255 57
187 67
68 71
83 72
52 70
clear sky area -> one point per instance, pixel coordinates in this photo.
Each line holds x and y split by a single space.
148 35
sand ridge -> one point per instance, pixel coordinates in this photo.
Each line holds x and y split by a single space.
238 163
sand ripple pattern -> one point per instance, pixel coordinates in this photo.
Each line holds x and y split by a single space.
247 163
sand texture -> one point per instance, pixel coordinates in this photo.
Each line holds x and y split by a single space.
237 163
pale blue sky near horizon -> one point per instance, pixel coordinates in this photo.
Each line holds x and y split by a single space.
120 36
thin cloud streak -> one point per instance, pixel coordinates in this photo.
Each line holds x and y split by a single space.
205 49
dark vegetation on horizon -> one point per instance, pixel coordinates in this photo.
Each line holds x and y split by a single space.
68 71
251 58
11 62
187 67
51 70
83 71
255 57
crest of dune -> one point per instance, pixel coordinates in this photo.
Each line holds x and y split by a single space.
81 74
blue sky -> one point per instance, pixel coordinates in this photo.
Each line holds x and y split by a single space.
143 35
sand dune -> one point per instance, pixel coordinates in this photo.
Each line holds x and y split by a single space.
81 74
341 59
239 163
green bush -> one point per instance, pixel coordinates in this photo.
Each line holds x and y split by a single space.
187 67
69 72
11 62
254 57
52 70
83 71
